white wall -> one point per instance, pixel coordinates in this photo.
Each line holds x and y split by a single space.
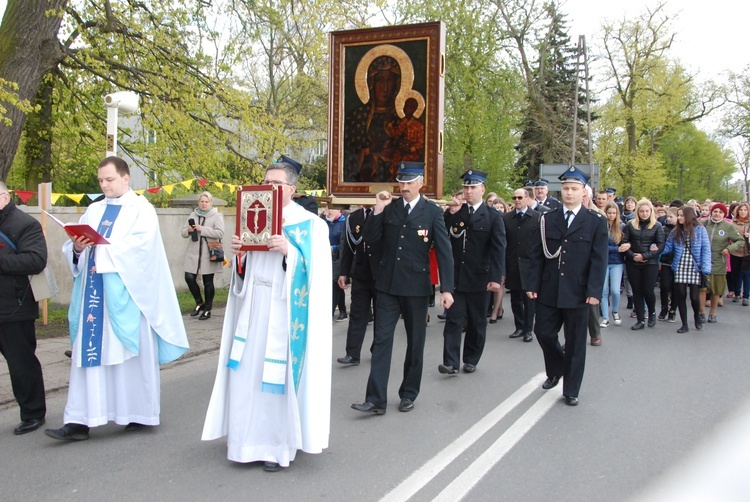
170 223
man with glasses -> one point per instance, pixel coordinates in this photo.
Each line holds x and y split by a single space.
272 393
23 252
408 227
522 230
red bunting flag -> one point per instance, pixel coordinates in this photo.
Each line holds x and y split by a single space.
153 190
202 182
24 195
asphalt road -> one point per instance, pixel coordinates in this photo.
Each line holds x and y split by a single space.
651 400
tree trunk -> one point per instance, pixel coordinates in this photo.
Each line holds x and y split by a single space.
28 49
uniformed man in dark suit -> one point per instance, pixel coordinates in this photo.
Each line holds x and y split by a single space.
477 236
359 260
522 231
566 277
541 193
408 227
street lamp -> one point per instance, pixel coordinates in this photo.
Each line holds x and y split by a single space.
121 101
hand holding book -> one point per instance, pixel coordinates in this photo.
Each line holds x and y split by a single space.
80 233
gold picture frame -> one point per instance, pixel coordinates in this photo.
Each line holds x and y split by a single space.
385 107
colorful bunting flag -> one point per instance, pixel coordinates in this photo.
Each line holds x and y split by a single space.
75 197
24 195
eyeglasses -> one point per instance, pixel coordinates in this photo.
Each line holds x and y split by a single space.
275 182
517 197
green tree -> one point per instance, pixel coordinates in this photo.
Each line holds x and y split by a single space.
482 93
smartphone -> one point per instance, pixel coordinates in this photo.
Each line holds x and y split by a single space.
191 222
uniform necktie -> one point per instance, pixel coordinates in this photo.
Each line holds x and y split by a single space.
519 214
568 215
471 210
408 209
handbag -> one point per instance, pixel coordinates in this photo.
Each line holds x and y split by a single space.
215 251
44 284
704 277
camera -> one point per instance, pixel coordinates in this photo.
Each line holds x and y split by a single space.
124 101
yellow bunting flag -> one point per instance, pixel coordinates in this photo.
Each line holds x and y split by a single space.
232 188
187 183
75 197
219 184
140 192
54 197
168 188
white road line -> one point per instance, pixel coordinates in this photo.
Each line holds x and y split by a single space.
432 468
461 486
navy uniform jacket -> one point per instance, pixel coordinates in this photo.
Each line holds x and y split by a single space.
405 267
359 258
578 272
478 243
523 238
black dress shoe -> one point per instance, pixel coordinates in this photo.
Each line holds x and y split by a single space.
198 309
571 401
368 407
637 326
447 370
698 325
206 314
516 334
469 368
69 432
492 321
651 321
28 425
527 337
442 316
406 405
550 382
271 466
68 353
347 359
683 329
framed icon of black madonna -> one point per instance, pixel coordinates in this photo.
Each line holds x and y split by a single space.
385 107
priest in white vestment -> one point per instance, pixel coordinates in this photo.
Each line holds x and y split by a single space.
272 393
124 316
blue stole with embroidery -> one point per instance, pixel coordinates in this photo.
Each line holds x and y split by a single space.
91 343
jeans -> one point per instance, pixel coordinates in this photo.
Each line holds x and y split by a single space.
740 278
612 287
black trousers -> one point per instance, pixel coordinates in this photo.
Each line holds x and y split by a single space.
643 280
18 346
389 309
363 296
523 309
339 299
195 289
570 363
666 288
468 309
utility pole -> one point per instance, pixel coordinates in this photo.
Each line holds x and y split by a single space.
582 61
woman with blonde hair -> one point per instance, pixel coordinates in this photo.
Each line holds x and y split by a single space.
204 225
643 241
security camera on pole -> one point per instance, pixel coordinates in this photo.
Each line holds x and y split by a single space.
121 101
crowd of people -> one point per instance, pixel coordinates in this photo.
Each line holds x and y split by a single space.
564 264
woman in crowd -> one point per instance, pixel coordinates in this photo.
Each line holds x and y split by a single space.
615 266
643 241
724 240
628 209
205 225
741 278
691 255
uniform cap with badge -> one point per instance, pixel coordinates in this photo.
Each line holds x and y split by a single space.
474 177
574 175
409 171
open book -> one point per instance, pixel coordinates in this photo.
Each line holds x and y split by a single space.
80 229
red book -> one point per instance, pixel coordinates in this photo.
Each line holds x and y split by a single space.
258 215
80 229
